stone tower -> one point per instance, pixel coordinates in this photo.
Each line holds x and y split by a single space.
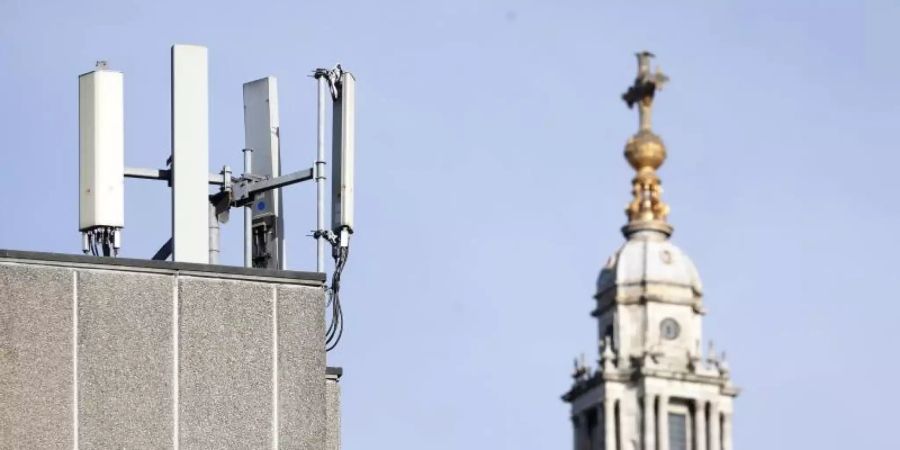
653 388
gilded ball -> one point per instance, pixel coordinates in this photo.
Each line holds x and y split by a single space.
645 149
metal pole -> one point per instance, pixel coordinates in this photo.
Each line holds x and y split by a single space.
248 215
213 235
320 175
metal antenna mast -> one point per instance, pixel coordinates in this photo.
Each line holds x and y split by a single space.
248 212
321 76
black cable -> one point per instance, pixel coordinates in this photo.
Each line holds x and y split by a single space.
332 325
336 327
340 329
334 302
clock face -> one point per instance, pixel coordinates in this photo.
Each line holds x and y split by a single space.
669 329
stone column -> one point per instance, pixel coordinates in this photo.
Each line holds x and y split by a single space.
700 435
649 422
726 432
714 440
609 419
663 422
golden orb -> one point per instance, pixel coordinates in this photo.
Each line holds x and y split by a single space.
645 149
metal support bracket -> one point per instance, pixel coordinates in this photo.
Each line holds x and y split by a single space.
165 175
244 189
233 193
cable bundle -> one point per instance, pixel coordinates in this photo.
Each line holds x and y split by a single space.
336 326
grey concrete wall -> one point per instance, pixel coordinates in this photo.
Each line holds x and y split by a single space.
333 408
103 353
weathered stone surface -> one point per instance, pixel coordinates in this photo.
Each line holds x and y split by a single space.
35 357
301 368
301 325
333 411
225 363
124 360
88 357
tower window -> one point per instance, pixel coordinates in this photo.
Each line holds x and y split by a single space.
678 438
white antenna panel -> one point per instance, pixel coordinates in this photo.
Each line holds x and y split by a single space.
101 145
262 135
343 151
190 154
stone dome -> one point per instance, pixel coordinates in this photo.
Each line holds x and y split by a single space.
648 258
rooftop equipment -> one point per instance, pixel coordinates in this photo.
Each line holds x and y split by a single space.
197 213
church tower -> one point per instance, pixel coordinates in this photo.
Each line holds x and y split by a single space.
653 388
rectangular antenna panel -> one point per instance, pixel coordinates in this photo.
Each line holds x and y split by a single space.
343 151
261 129
190 154
262 134
101 145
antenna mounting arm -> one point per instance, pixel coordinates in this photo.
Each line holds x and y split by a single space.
244 189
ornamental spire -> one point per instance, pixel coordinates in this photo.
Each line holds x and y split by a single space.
645 152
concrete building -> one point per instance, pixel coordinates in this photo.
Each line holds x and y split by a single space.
653 388
120 353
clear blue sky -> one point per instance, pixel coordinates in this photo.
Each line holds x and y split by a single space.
491 185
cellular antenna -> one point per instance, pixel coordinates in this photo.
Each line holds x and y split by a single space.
262 135
343 151
198 213
190 155
342 86
101 156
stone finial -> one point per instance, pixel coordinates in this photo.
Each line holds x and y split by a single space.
607 357
724 369
712 360
581 371
694 361
578 371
